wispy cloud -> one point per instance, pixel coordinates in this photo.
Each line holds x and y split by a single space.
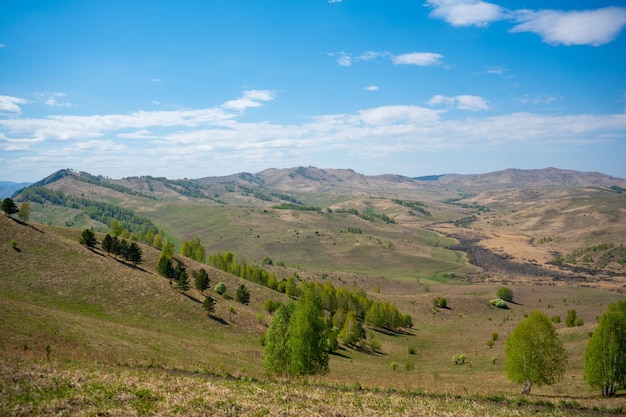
250 98
10 105
466 12
422 59
371 88
52 99
461 102
589 27
128 144
527 99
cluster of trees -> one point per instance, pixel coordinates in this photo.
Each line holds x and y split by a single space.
10 208
536 356
296 341
172 268
413 205
369 215
193 249
129 252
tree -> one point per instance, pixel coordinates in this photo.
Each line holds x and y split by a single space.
24 211
181 276
535 354
165 267
505 293
193 249
276 356
220 288
88 238
107 243
242 295
352 331
135 254
572 320
209 304
202 280
605 355
307 341
9 207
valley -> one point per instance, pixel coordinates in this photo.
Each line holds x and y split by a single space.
84 317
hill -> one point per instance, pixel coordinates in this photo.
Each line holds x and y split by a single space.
95 325
8 188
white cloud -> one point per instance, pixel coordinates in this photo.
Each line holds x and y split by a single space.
9 105
527 99
461 102
422 59
589 27
250 98
156 80
466 12
371 88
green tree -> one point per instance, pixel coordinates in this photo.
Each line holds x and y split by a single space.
209 305
165 267
276 357
9 207
352 331
107 243
88 238
193 249
535 354
202 280
135 254
505 293
220 288
116 228
307 341
181 276
242 295
570 319
24 211
605 355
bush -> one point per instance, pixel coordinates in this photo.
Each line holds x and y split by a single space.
570 319
491 343
505 293
498 302
270 305
440 302
556 319
578 322
13 244
220 288
494 360
459 359
394 365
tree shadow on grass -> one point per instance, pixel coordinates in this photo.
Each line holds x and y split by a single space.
219 320
23 223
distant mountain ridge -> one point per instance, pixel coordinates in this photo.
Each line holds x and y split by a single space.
546 177
8 188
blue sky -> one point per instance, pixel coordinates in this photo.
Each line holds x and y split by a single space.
201 88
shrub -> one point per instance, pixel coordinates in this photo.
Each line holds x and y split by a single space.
270 305
220 288
494 336
13 244
570 319
498 302
556 319
394 365
578 322
459 359
494 359
440 302
242 295
491 343
505 293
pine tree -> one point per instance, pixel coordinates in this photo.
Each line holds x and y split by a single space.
107 243
242 295
209 305
202 279
9 207
135 254
88 238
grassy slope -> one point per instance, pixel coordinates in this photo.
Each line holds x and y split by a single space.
88 306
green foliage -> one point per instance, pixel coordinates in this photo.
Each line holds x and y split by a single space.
24 211
459 359
220 288
202 280
490 343
306 343
572 320
535 354
242 295
9 207
276 358
413 205
289 206
498 302
505 293
181 276
394 365
495 336
352 331
385 315
88 238
270 305
440 302
208 304
555 319
165 267
605 360
13 244
193 249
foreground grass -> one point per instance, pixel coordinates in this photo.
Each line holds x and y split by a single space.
38 388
